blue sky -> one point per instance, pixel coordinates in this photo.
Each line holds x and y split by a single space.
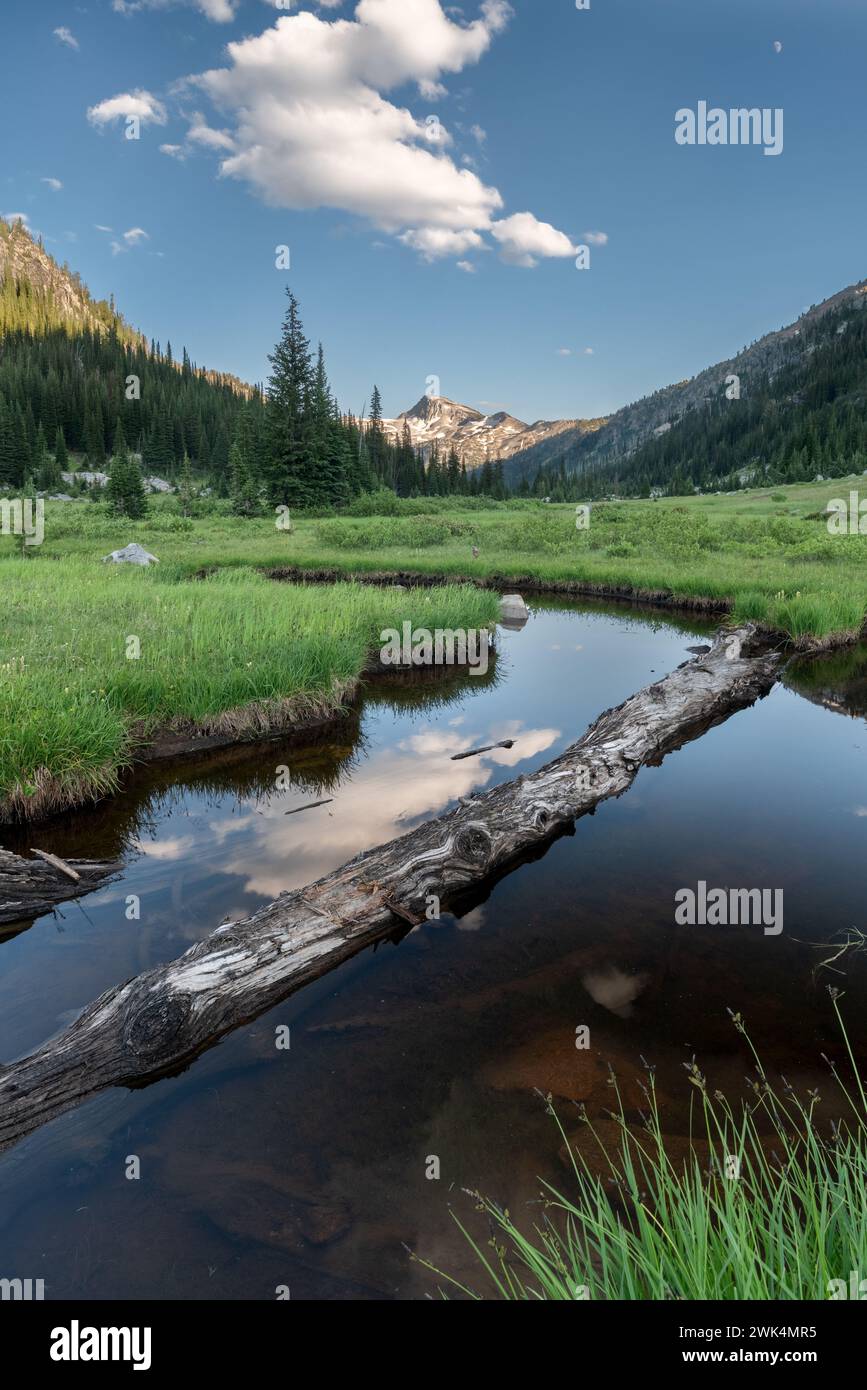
567 116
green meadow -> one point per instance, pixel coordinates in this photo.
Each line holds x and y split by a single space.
231 654
225 649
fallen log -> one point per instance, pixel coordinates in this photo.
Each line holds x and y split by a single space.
159 1021
29 887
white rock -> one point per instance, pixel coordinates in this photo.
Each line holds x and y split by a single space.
97 479
132 554
513 609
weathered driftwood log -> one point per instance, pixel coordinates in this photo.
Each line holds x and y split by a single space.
29 887
157 1022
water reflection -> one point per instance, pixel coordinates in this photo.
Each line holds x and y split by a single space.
308 1167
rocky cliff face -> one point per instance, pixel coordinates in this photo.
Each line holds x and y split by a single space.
66 299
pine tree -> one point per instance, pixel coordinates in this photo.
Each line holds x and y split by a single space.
94 437
288 454
244 467
186 491
125 489
60 451
47 472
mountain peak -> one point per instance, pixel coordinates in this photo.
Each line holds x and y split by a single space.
441 423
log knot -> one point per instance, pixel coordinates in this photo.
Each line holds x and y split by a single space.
542 816
473 844
152 1020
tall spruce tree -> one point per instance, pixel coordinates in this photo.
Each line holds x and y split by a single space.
246 489
60 452
288 454
125 489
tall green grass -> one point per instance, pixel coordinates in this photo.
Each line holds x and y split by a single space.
222 653
775 564
791 1221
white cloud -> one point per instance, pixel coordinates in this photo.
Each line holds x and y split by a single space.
433 242
130 238
564 352
221 11
313 128
202 134
126 104
596 238
17 217
588 352
174 151
478 134
523 238
467 266
65 36
100 228
54 184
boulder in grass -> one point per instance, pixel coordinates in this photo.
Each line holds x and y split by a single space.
514 612
132 554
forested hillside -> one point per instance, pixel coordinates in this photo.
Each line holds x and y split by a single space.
788 407
71 368
806 419
76 379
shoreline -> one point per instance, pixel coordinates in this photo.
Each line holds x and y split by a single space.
304 718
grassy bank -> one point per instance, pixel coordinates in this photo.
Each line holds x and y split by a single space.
766 553
767 1204
232 654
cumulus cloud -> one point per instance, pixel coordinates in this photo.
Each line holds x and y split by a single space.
596 238
434 242
523 239
54 184
126 104
65 36
312 126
